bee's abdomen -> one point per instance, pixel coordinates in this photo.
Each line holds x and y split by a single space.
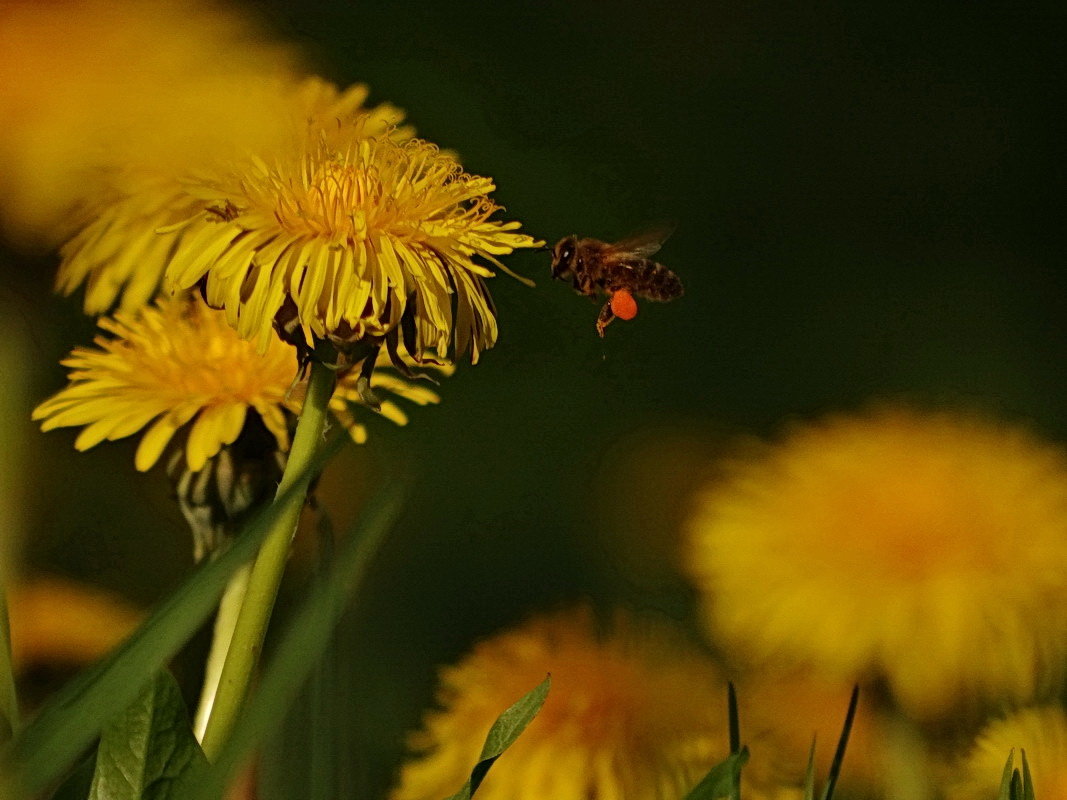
660 283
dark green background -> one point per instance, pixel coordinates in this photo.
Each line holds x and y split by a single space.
867 200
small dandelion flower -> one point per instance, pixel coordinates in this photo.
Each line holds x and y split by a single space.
1041 732
178 365
894 546
634 713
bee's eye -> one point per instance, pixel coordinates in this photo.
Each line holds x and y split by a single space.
566 253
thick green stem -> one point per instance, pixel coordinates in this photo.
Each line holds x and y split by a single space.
9 706
267 570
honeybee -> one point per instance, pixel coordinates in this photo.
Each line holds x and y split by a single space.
621 270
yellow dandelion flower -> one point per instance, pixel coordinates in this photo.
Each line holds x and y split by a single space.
634 713
1041 732
95 87
349 243
895 546
178 365
120 255
350 233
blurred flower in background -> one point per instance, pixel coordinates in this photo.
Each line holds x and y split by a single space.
57 622
634 711
98 92
927 551
1041 732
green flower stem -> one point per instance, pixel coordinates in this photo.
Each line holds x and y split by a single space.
267 570
225 622
9 704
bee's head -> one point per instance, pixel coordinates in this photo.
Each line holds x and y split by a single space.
563 257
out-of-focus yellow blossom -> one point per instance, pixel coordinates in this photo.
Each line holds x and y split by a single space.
925 550
121 254
56 621
636 712
1041 732
178 365
96 91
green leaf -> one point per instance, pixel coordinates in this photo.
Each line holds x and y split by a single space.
305 639
75 715
503 734
722 778
842 744
1028 784
1005 778
78 783
147 748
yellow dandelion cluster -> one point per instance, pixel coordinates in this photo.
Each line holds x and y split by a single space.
925 550
177 364
635 712
1041 732
97 89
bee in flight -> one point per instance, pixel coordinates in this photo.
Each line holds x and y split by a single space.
623 270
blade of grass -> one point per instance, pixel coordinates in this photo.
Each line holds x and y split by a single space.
842 743
809 773
1028 783
1004 793
75 715
734 720
304 641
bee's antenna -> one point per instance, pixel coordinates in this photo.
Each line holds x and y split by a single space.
542 248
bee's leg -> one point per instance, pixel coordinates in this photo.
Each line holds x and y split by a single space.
366 369
605 318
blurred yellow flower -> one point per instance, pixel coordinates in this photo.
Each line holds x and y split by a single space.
635 712
1041 732
120 255
92 88
56 621
925 550
177 364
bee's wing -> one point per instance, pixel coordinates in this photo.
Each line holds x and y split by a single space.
645 243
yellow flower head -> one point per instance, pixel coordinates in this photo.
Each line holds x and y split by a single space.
352 232
121 254
1041 732
928 551
635 713
97 87
177 364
